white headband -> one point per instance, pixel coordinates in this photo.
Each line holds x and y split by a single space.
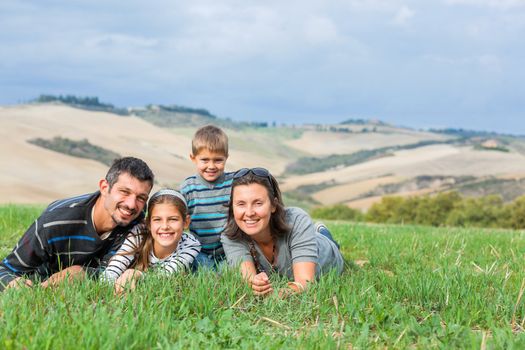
169 192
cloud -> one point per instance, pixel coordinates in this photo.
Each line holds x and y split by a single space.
487 62
107 41
502 4
253 59
403 16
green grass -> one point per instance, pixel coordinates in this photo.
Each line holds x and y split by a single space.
419 287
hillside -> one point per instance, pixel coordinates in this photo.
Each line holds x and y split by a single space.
355 162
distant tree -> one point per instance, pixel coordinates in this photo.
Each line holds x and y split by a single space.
385 211
516 213
485 211
435 210
337 212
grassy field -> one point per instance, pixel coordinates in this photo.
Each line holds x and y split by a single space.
415 287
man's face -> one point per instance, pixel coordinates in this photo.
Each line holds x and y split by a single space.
210 165
126 199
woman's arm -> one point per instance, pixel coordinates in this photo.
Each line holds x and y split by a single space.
303 273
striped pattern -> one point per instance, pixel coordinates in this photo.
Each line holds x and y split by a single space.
208 207
181 259
62 236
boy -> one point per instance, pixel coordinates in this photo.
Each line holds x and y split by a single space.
208 193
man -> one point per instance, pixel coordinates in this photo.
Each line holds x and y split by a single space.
78 235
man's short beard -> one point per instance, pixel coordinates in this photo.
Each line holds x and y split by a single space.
120 222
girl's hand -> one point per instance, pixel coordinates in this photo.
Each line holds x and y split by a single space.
261 284
127 281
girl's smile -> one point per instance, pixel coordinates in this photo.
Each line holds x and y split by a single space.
166 226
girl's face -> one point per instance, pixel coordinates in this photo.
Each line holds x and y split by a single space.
166 226
252 210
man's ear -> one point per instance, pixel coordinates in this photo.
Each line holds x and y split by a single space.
103 186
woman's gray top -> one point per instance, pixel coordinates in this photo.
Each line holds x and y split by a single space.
302 244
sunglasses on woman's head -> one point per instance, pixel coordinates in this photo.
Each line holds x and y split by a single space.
260 172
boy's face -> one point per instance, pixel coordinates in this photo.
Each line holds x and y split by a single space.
210 165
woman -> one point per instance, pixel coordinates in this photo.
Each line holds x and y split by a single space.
263 236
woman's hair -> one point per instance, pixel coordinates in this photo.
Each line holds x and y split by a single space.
164 196
278 226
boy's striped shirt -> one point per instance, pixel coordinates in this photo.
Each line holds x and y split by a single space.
208 207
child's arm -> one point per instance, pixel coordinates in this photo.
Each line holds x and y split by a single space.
188 248
123 258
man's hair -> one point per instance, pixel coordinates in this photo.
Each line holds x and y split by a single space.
132 166
211 138
278 225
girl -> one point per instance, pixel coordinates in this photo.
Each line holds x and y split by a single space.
264 237
160 243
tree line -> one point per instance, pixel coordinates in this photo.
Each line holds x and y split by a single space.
443 209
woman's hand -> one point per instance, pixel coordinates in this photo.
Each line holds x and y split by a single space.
260 284
293 288
127 281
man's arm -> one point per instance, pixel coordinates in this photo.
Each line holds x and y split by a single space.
29 253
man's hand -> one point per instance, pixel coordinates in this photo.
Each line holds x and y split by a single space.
19 282
261 284
68 274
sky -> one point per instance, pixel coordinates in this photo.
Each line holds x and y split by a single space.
421 64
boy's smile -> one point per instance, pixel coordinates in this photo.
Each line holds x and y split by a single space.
210 165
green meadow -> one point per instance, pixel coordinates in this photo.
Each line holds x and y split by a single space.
404 287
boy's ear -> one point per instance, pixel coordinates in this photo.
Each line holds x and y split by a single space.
192 157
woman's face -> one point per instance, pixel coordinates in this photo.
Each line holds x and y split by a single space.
252 210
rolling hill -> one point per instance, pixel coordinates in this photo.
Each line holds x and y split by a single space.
355 162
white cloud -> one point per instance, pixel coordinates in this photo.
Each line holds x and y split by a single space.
503 4
121 40
488 62
251 58
403 16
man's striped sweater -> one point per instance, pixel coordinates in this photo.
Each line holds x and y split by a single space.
63 235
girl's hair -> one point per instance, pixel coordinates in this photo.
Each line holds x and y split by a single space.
164 196
278 226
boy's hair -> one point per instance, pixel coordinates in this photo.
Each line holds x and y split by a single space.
169 196
211 138
132 166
